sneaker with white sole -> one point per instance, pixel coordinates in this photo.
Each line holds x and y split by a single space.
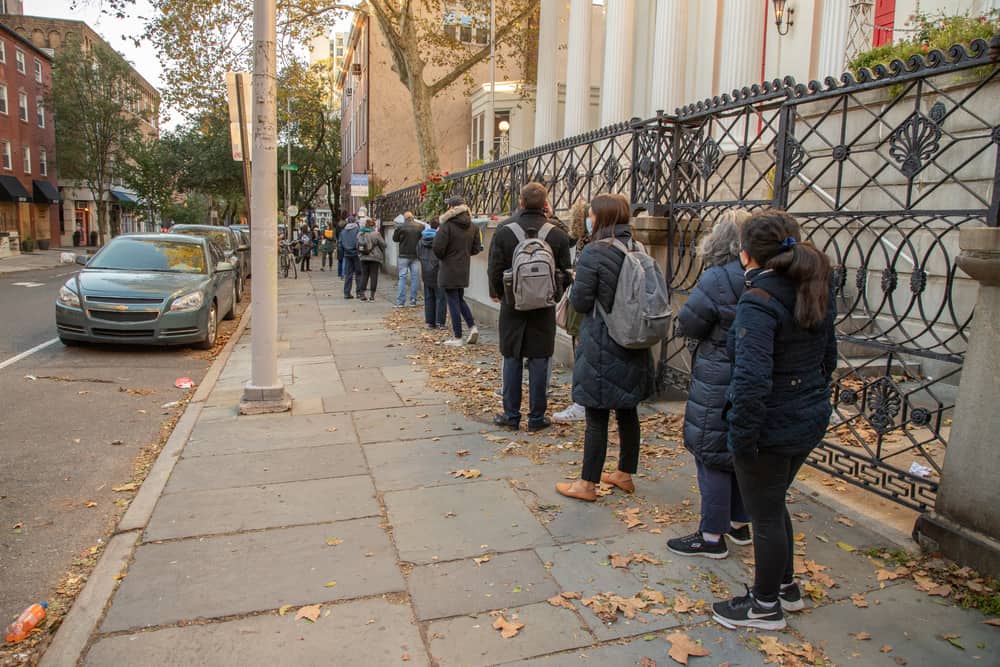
791 597
740 536
473 336
745 611
696 545
574 413
454 342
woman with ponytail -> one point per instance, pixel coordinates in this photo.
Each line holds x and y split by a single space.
778 404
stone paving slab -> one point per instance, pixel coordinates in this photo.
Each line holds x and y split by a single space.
283 465
266 506
413 463
250 572
487 516
469 641
909 621
463 587
412 423
572 520
343 637
269 432
387 357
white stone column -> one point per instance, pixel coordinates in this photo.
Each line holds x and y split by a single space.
616 85
833 38
547 88
642 56
740 48
669 42
578 69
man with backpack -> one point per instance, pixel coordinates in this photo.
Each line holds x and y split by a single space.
407 235
347 244
528 263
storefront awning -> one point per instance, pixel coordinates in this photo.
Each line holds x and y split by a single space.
123 197
45 192
12 190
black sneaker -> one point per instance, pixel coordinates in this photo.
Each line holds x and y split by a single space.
791 597
539 425
740 536
746 612
696 545
503 422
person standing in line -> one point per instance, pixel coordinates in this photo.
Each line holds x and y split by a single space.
371 251
579 217
316 239
340 255
407 235
305 248
526 334
327 246
784 352
348 248
457 240
705 320
435 301
606 376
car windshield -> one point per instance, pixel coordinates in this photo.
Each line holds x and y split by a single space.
221 237
151 254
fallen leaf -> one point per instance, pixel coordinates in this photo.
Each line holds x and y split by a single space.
331 429
90 503
485 558
507 628
682 647
284 609
462 452
847 547
647 662
844 520
885 649
901 661
859 600
823 538
799 537
330 584
683 605
131 486
468 473
560 601
992 621
333 541
570 595
862 636
953 640
617 560
309 612
406 657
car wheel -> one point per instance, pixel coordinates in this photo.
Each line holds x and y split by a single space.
239 289
211 329
232 308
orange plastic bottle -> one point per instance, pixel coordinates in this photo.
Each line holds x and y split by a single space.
26 622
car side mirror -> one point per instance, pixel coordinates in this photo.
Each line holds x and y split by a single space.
82 260
223 266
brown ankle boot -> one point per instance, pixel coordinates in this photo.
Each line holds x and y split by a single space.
567 489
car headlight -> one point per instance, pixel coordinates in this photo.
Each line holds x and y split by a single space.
68 297
192 301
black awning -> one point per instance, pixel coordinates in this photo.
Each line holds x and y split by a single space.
123 197
12 190
45 192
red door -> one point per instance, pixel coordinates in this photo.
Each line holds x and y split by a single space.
885 17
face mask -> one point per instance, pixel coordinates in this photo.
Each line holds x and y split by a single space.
589 225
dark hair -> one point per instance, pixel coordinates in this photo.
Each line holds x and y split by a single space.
773 239
533 196
435 222
455 200
609 210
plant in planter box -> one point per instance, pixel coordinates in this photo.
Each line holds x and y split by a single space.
27 244
77 237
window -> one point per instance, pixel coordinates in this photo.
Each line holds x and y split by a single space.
8 160
26 159
465 28
38 70
3 6
478 138
3 52
40 111
43 162
3 99
22 106
19 56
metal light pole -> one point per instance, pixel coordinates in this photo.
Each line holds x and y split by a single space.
288 164
491 117
264 392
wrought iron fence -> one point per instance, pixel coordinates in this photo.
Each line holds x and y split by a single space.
882 169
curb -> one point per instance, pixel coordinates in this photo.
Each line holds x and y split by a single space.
79 624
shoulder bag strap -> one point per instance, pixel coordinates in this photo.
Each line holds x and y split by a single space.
544 230
517 230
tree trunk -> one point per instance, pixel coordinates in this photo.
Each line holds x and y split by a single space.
420 98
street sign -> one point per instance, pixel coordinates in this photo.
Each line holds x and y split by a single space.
238 103
359 185
289 167
293 211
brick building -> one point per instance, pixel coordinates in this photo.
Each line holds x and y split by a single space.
28 185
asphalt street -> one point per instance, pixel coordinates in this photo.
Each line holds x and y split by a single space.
72 423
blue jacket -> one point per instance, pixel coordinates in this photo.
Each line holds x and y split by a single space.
779 397
705 319
347 243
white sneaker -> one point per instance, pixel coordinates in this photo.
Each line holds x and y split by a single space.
573 413
473 336
454 342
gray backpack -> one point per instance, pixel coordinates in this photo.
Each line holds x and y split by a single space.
532 276
641 316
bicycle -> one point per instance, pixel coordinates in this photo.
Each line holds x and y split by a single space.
286 260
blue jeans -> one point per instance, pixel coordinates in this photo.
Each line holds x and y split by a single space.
458 309
352 273
435 305
721 501
340 266
408 266
513 374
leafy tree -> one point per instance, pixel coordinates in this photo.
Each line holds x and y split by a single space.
91 93
154 172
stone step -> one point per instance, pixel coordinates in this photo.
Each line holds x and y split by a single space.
873 366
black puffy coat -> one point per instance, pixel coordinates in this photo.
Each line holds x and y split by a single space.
605 374
456 242
779 397
529 334
706 318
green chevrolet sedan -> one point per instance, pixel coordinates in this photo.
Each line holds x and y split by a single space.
148 289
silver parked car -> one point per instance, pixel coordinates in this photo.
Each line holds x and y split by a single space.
151 289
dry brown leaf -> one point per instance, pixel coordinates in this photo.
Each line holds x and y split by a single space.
885 649
560 601
901 661
462 452
814 591
771 647
331 429
507 628
890 575
131 486
859 600
284 609
485 558
682 647
862 636
333 541
844 520
647 662
643 558
992 621
309 612
570 595
655 597
90 503
617 560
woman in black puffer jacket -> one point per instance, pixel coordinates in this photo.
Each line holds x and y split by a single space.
705 320
606 376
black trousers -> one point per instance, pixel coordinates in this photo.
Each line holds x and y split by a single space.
764 481
304 260
327 259
595 442
369 273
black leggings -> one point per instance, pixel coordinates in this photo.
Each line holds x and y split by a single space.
595 442
764 481
304 260
369 272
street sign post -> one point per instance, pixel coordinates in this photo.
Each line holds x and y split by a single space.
289 167
359 185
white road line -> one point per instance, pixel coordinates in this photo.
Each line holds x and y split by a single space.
27 284
27 353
